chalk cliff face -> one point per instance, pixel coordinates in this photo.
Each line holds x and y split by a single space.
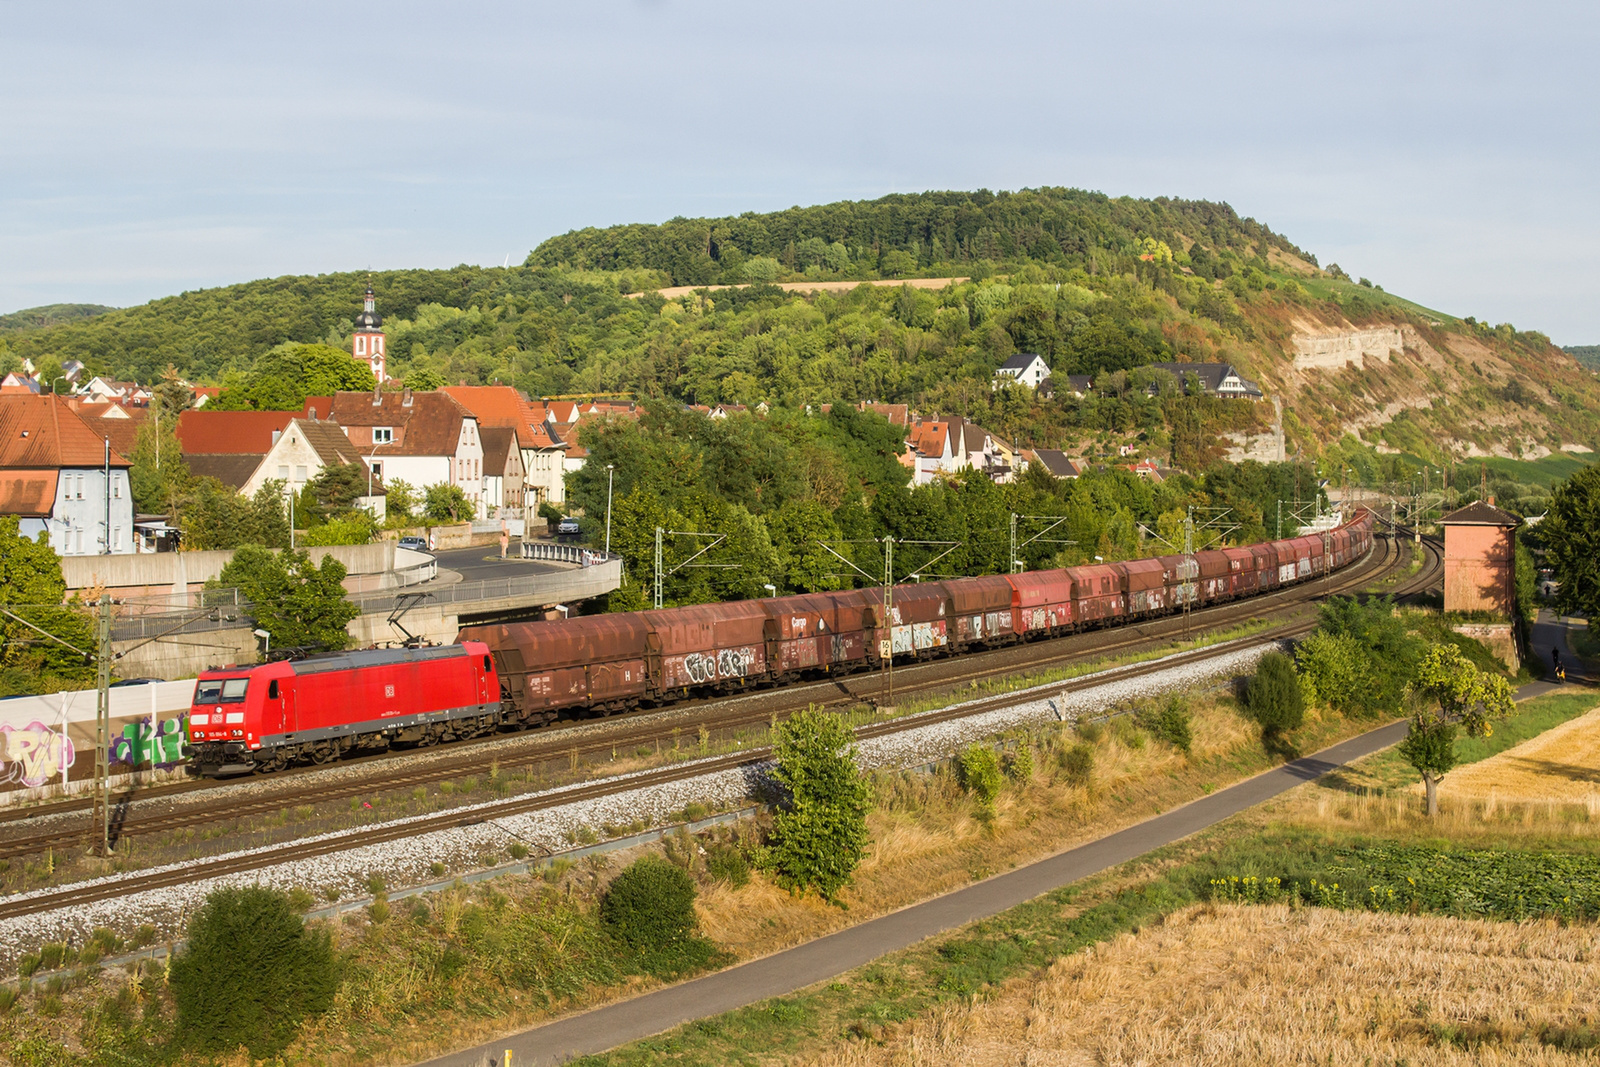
1332 351
1416 384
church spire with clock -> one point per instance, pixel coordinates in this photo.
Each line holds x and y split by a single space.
367 343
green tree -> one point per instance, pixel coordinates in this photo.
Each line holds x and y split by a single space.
32 587
797 530
819 834
336 489
250 973
1274 699
443 502
1571 532
354 527
301 604
400 501
1451 693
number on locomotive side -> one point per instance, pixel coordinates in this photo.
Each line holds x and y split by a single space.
388 691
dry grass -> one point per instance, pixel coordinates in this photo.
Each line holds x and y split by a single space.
1227 985
1562 764
926 839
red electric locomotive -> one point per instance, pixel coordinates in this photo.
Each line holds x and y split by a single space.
247 719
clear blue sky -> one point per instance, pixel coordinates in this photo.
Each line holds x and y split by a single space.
1446 151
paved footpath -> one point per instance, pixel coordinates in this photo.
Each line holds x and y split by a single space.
817 961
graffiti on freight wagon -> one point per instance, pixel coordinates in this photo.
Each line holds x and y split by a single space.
33 754
158 744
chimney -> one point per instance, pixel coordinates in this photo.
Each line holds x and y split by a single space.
405 400
1491 500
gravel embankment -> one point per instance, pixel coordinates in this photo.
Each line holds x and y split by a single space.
408 861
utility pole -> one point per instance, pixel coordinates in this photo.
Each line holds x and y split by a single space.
102 730
888 615
1278 530
107 541
611 469
1015 565
1190 567
657 599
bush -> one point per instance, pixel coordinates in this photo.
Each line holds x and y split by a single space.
649 909
649 904
1018 765
250 974
1168 720
1273 698
980 774
1092 732
1077 764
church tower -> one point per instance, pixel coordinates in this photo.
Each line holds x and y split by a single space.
368 340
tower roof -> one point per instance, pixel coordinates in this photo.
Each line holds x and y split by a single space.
369 319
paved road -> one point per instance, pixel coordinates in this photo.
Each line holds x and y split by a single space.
485 562
1550 632
816 961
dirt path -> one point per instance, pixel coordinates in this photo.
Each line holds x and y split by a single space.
673 292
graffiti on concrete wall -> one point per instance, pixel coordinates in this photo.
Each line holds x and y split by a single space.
158 744
33 754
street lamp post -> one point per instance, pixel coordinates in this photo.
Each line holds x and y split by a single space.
610 476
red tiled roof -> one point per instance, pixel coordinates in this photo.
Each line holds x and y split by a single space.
31 494
124 432
425 424
39 432
205 432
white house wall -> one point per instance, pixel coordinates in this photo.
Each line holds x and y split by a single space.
79 516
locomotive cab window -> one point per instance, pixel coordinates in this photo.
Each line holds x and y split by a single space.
486 665
272 690
220 690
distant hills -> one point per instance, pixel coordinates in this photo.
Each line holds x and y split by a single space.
1587 355
1097 285
51 315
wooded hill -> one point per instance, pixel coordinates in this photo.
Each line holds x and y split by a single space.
1098 285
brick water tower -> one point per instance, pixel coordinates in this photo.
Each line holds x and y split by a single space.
1480 551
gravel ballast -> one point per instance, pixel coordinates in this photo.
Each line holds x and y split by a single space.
409 861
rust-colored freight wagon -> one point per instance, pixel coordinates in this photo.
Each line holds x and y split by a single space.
1098 597
589 661
1243 577
1043 601
983 610
1215 575
1146 586
815 632
720 645
920 620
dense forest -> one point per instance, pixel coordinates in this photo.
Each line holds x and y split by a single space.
1586 355
922 234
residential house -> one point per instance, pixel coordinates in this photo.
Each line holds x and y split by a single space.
541 455
109 389
18 384
302 450
897 414
1055 462
63 479
1149 470
502 472
422 439
1217 379
231 445
1079 385
1024 368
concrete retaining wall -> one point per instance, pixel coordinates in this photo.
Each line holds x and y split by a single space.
164 580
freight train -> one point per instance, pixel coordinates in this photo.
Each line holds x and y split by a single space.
515 675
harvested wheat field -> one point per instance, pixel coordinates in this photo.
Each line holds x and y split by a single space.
1264 984
1561 765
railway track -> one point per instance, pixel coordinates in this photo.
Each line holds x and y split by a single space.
723 716
103 889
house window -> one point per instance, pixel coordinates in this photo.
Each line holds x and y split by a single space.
382 435
361 345
283 472
300 472
116 539
377 469
116 488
